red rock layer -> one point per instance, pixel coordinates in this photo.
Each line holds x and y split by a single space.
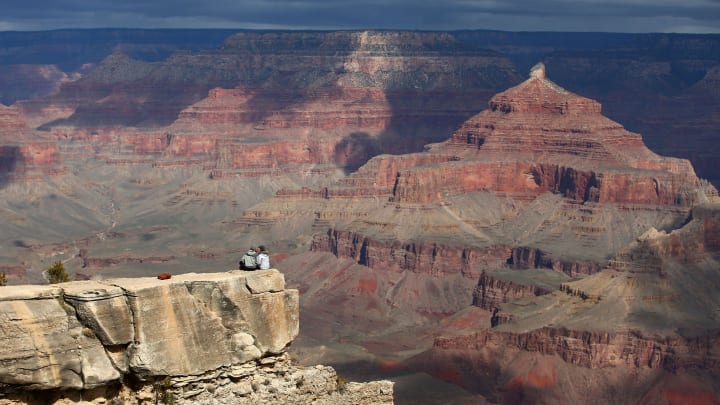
491 292
324 108
667 273
427 258
600 349
335 98
537 137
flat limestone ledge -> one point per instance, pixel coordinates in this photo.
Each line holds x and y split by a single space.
87 334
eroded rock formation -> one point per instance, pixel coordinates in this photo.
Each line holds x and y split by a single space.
24 155
272 102
538 137
190 337
653 307
541 171
535 191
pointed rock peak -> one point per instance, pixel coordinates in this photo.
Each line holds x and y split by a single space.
538 94
538 71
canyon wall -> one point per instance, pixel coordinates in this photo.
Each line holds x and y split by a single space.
601 349
652 311
267 103
191 337
24 155
433 259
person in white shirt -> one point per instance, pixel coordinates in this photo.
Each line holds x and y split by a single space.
263 259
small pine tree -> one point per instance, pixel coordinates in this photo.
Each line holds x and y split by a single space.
56 273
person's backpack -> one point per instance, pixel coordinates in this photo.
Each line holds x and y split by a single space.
249 261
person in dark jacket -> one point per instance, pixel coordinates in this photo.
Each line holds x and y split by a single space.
249 260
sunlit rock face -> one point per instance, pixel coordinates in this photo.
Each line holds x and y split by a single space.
147 327
187 333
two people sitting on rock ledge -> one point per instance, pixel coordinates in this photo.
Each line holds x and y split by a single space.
255 258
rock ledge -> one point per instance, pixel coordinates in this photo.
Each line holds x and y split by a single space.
195 338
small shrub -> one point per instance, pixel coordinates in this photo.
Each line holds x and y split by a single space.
162 391
3 279
56 273
341 383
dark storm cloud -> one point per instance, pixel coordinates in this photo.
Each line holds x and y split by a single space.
527 15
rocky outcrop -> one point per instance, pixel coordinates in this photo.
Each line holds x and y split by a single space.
540 171
427 258
192 336
491 292
533 258
653 309
538 137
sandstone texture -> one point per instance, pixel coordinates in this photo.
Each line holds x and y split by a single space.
194 337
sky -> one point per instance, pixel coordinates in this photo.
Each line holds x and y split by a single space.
682 16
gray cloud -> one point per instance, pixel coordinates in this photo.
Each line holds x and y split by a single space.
701 16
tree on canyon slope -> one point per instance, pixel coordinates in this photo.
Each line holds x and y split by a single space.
56 273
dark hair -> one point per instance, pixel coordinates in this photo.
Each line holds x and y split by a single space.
262 248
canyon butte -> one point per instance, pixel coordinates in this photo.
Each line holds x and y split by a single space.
474 234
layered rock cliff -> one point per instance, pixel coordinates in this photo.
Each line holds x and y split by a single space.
667 94
187 339
653 308
291 100
540 171
23 154
535 191
560 143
